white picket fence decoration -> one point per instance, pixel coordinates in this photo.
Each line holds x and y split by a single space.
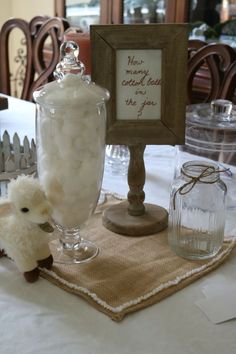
16 159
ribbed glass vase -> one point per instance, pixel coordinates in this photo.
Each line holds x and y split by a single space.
197 211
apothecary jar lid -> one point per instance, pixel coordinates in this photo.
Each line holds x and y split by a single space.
71 87
211 127
218 114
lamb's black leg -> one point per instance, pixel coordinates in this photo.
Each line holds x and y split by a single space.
2 253
32 275
46 263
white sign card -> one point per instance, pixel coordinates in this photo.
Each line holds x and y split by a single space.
138 84
219 303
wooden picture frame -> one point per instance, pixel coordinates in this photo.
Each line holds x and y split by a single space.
125 58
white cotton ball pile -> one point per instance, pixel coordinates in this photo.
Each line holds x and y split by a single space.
71 147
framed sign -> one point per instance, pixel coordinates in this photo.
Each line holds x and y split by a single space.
144 67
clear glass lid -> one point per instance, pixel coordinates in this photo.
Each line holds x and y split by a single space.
211 127
219 114
70 87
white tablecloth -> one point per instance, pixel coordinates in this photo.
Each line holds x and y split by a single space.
41 318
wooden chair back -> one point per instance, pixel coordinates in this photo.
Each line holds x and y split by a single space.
228 88
208 65
41 58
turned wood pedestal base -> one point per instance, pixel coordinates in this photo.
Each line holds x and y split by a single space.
117 219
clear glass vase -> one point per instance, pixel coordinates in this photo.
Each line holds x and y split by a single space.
71 118
117 159
197 211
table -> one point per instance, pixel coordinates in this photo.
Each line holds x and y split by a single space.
41 318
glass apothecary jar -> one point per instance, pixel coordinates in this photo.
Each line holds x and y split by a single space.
71 120
197 211
211 135
211 131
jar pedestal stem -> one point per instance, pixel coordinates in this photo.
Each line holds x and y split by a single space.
70 248
133 217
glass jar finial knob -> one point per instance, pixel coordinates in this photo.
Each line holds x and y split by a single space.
221 109
69 64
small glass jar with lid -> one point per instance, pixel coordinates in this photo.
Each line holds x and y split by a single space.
197 211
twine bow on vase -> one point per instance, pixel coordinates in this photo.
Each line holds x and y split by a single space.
208 171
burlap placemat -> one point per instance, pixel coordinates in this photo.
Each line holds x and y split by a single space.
130 273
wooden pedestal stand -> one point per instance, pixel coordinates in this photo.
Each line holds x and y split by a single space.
133 217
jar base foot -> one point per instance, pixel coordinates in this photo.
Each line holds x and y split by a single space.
81 253
195 256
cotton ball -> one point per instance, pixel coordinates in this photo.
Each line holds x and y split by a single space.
44 132
64 149
71 128
78 153
71 185
75 164
75 218
81 148
48 161
44 163
58 124
46 136
56 164
87 171
53 189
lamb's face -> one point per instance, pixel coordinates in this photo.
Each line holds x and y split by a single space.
28 200
36 210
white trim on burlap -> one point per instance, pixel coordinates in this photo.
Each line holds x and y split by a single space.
146 296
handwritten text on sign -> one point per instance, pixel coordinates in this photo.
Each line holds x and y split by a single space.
138 84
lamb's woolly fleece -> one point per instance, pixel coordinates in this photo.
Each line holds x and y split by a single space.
20 235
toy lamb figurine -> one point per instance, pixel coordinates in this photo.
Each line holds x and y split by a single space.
23 223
